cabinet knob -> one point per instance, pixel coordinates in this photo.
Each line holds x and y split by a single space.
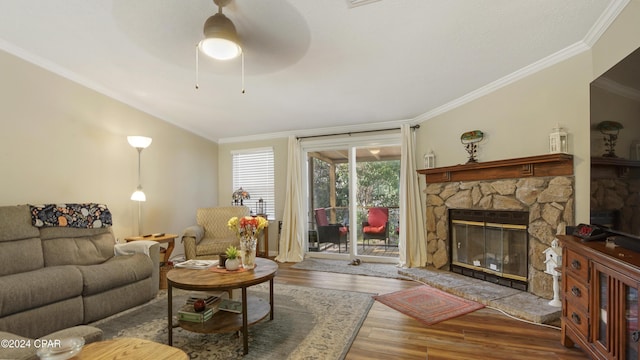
576 264
576 291
576 318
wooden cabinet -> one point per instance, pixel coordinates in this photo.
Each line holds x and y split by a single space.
600 299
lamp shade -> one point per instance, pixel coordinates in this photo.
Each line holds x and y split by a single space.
139 142
138 195
221 39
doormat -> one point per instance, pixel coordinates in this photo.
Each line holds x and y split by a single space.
427 304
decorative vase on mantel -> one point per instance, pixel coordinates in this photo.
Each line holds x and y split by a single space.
248 251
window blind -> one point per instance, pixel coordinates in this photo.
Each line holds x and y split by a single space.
253 171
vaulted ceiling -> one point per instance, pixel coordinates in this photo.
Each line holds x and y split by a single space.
309 64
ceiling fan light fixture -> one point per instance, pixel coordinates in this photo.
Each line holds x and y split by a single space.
221 39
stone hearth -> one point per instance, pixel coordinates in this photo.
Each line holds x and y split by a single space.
548 199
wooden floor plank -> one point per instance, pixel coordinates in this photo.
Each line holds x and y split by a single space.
387 333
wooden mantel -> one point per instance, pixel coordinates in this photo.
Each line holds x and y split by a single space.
542 165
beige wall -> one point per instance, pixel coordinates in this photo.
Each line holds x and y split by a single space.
225 184
61 142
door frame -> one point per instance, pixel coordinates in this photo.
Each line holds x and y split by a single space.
350 143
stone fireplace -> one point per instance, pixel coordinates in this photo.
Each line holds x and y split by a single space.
542 186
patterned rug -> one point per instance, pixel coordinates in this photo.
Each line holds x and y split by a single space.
427 304
344 267
308 323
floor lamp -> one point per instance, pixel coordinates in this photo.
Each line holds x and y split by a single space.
139 143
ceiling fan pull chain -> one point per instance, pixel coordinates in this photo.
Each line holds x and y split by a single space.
197 72
242 59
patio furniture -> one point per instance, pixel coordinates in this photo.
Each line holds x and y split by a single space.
376 226
329 233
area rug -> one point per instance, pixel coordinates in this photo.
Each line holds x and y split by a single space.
427 304
308 323
344 267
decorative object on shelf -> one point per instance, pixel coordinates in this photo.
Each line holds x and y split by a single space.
470 139
232 263
429 160
261 208
247 229
239 196
558 141
553 259
610 130
139 143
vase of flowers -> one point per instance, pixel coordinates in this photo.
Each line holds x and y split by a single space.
247 229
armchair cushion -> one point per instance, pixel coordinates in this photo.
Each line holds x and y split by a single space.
374 229
195 231
378 217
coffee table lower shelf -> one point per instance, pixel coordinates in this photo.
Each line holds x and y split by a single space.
225 321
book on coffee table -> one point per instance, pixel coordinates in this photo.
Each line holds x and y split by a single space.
233 306
187 313
197 264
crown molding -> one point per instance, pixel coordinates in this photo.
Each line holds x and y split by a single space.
604 21
592 36
526 71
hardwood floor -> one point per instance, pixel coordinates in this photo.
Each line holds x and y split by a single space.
388 334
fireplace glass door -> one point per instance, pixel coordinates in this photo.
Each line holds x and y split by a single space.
469 247
506 250
491 251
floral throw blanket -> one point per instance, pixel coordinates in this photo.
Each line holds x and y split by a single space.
85 216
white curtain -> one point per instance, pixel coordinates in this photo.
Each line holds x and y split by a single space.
292 234
412 242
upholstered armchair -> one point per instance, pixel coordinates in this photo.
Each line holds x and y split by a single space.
210 236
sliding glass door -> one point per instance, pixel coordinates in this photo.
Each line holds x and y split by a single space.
352 197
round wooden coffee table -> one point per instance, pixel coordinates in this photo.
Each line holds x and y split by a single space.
253 309
130 348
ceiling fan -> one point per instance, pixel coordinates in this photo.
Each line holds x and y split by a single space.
221 40
220 36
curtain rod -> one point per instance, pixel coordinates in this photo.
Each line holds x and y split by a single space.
353 132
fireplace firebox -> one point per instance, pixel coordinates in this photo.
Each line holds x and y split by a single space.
490 245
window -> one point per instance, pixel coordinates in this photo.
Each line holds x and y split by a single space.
253 171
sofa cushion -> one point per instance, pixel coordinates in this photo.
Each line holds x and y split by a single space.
20 256
69 246
36 288
117 271
15 223
45 319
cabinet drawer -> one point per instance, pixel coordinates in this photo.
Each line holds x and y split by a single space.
576 292
577 319
578 265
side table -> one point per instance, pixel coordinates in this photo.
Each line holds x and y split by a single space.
161 238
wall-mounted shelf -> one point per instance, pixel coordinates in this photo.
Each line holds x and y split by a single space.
541 165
